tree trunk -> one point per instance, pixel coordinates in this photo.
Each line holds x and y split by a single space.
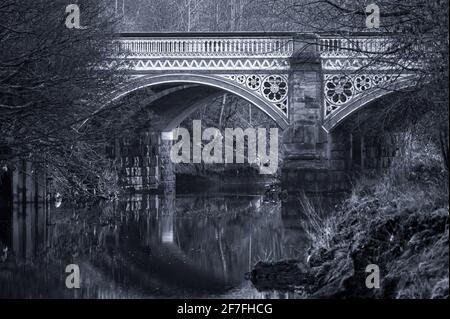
224 100
233 15
443 139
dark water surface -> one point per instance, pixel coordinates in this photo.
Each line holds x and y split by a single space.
147 246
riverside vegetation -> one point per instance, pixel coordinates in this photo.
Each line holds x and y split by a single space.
398 221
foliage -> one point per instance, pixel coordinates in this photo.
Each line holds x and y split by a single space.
199 15
315 222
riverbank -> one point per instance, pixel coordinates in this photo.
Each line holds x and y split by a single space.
398 222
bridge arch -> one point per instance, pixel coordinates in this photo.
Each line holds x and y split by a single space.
214 81
402 84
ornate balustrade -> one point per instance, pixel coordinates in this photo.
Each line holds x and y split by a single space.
223 47
353 46
137 46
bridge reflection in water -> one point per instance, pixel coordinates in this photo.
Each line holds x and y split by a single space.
148 246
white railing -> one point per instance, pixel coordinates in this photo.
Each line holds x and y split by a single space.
353 46
246 46
206 47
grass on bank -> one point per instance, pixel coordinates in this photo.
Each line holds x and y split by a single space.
398 220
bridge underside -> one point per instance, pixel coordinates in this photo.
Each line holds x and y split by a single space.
173 103
204 87
144 157
322 164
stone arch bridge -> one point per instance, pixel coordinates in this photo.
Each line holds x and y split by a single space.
309 84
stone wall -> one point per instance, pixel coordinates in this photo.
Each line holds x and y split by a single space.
145 163
139 161
378 151
167 169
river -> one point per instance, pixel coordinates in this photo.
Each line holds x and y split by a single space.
148 246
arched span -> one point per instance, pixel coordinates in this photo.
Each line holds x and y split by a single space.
207 80
364 100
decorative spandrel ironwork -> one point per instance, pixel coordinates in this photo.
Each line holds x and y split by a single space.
352 68
343 89
273 88
212 64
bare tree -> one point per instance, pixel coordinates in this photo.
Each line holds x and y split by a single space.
51 79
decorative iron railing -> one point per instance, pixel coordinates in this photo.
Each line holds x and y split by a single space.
148 46
353 45
231 47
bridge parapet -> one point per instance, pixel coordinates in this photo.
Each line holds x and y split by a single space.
207 47
353 46
246 45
